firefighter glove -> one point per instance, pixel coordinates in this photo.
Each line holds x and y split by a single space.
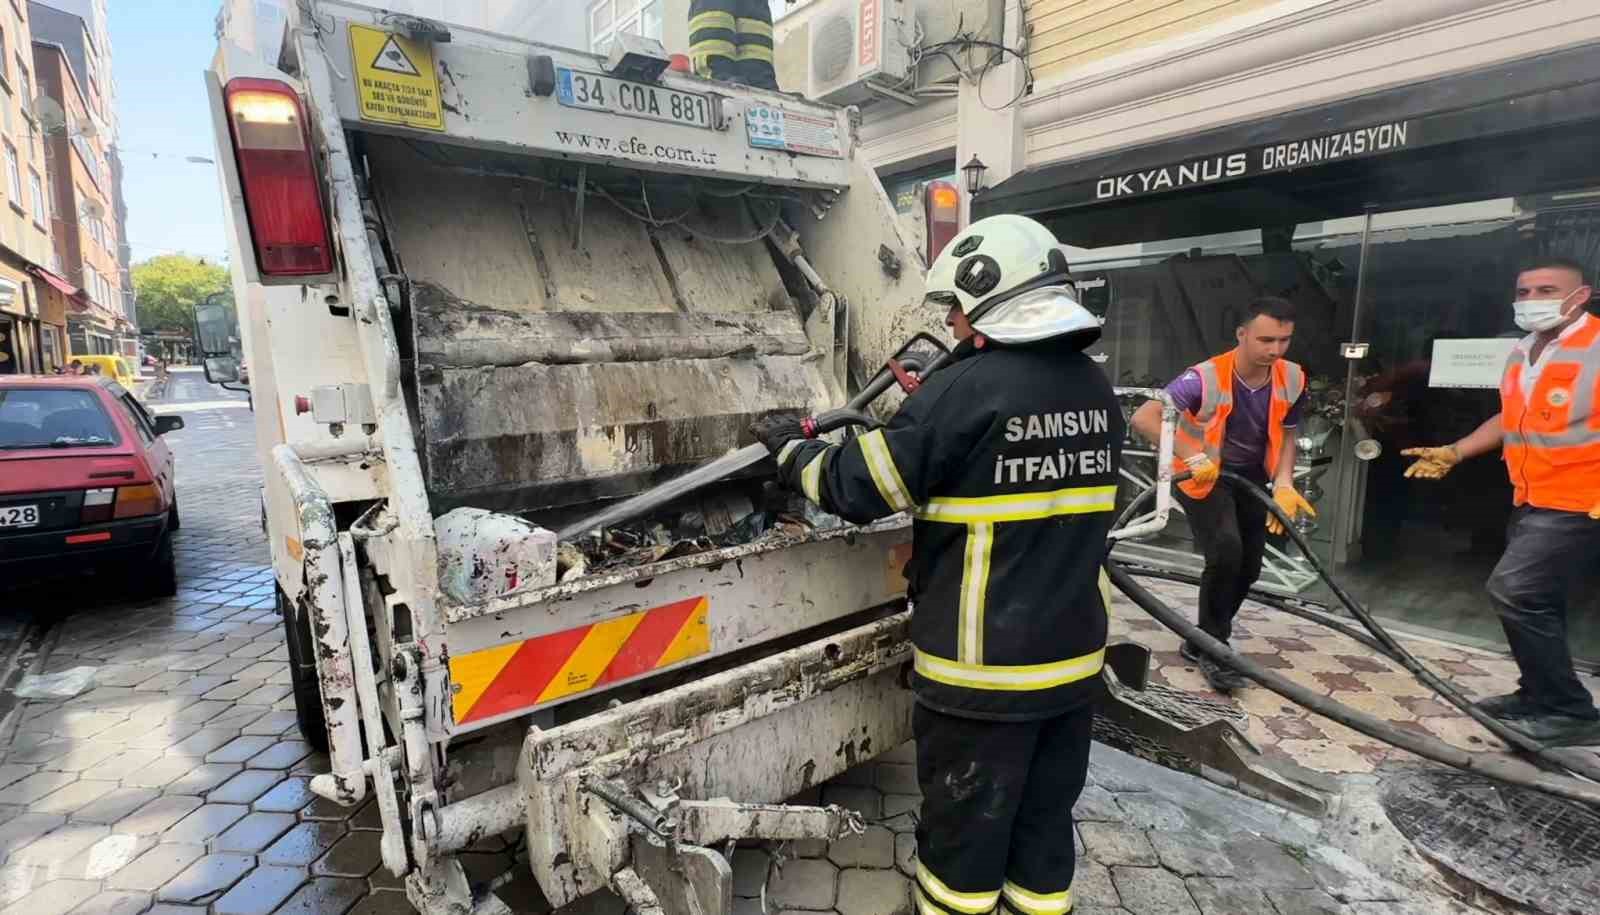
1202 469
1595 512
1432 463
1292 503
776 431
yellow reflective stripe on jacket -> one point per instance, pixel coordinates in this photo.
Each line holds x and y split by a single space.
811 477
1031 903
1014 678
755 52
787 451
1105 590
974 585
714 19
713 48
754 27
885 475
1031 506
970 903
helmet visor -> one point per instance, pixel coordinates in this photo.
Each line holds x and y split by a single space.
1038 314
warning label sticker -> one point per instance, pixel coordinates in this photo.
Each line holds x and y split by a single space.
395 79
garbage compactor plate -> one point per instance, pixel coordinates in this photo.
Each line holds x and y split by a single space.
1526 846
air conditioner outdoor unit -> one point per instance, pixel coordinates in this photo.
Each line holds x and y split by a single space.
856 44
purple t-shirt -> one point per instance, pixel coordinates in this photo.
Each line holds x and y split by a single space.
1244 441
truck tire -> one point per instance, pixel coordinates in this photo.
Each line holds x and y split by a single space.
308 713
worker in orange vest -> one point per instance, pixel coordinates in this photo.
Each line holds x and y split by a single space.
1237 411
1549 429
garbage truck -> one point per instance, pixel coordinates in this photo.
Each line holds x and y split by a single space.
485 287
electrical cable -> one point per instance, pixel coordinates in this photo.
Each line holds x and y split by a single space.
1439 751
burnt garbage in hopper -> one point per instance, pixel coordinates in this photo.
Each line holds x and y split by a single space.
698 524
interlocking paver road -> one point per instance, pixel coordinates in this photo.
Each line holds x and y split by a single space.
179 784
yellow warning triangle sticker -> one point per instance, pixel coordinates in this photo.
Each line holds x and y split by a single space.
392 59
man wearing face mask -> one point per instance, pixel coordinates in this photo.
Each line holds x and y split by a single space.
1549 428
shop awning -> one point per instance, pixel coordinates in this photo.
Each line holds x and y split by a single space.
1525 127
56 281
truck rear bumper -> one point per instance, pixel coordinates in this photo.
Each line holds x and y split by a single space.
760 733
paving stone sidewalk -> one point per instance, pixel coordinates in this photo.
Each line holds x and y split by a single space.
178 783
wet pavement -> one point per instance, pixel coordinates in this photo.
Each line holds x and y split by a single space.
178 782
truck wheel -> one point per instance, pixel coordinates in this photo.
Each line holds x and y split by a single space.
308 712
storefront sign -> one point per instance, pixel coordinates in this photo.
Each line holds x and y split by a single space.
1276 157
1475 363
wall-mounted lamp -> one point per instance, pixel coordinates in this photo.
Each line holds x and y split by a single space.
974 173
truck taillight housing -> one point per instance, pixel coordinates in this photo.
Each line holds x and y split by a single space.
282 196
943 208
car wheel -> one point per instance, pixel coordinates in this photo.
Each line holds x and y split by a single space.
161 578
173 521
308 712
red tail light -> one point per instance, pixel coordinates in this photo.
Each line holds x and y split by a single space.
943 206
282 195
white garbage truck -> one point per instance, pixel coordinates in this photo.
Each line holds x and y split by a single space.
485 288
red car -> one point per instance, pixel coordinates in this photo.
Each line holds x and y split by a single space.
86 483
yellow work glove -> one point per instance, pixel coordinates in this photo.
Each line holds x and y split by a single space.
1292 503
1595 512
1432 463
1202 469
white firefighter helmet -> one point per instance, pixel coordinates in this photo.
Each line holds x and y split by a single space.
1010 278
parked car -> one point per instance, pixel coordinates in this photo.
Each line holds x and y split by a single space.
86 483
113 367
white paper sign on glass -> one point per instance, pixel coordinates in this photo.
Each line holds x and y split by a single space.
1469 363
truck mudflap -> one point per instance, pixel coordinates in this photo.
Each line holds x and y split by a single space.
632 798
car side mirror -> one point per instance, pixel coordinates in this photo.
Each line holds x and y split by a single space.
221 369
165 424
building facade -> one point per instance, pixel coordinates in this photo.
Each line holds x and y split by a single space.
82 199
72 50
33 316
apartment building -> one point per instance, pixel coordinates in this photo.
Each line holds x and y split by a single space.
82 198
33 314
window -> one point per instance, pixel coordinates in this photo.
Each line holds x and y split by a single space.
5 60
141 422
58 417
609 18
36 187
91 282
14 175
25 88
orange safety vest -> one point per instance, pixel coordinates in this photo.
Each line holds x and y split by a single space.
1204 430
1552 434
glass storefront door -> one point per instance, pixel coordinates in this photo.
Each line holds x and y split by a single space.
1435 316
1434 287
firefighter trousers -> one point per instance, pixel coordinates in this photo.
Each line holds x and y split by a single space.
731 40
996 828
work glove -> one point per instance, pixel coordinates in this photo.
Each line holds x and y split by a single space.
1432 463
1595 512
1292 503
1202 469
776 431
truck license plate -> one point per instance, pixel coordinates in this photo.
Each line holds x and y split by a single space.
596 92
19 516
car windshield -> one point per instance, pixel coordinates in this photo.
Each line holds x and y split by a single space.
53 418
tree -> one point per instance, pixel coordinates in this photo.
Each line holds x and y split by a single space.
169 286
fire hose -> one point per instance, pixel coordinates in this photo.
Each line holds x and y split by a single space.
1494 766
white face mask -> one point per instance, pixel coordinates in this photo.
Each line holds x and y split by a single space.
1535 315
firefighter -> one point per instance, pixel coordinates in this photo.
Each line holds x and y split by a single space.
731 40
1007 459
1238 412
1549 429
